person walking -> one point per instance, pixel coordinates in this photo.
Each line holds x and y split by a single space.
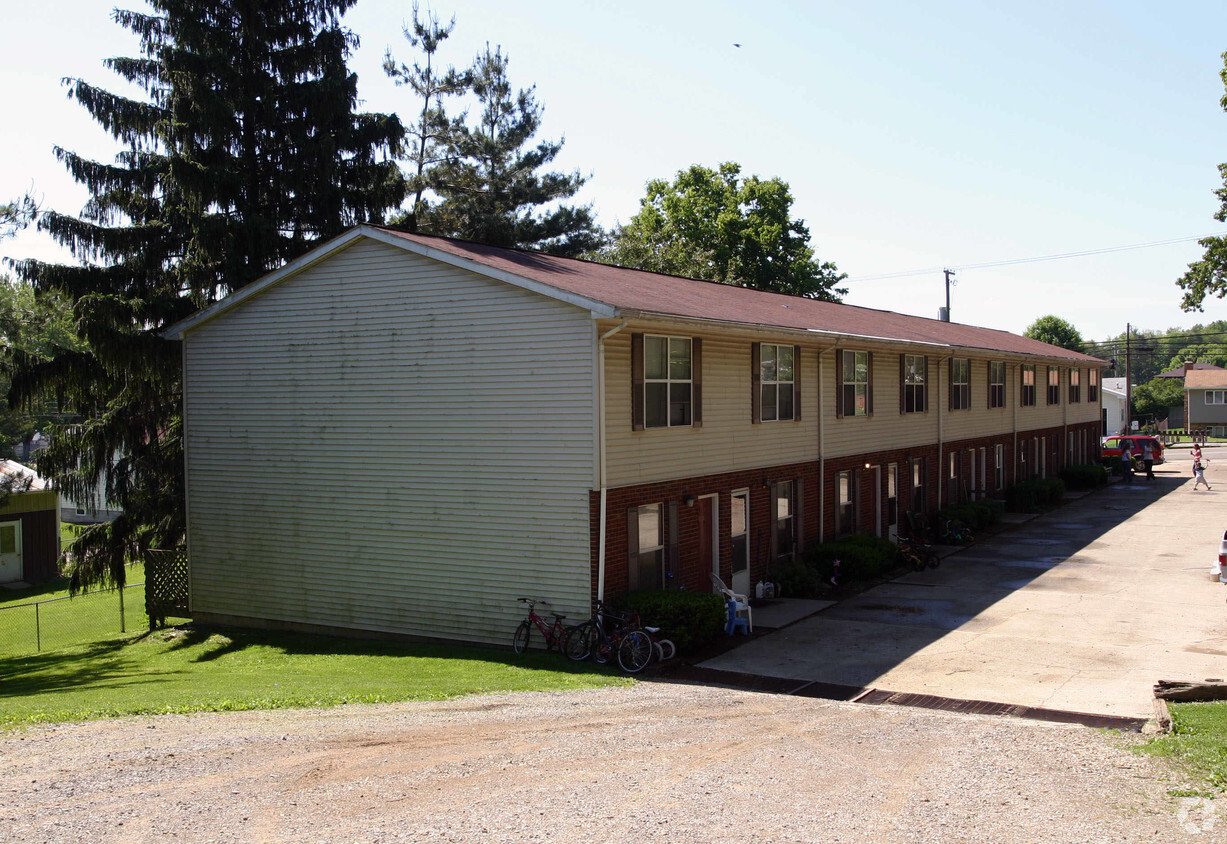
1148 459
1199 471
1126 462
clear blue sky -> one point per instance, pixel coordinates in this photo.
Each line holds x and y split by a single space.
913 135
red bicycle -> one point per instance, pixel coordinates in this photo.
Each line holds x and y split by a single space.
555 634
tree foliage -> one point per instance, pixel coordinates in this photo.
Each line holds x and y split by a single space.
433 137
1058 332
493 191
715 225
16 215
244 150
1208 277
1155 398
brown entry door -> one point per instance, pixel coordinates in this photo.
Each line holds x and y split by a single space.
709 558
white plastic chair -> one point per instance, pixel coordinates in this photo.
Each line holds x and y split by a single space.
741 602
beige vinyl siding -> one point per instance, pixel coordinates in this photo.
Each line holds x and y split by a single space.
415 473
728 440
886 428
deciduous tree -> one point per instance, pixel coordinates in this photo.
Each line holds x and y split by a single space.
715 225
1208 277
1054 330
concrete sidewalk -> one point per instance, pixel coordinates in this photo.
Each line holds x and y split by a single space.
1082 609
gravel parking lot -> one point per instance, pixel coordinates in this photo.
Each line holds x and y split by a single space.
656 762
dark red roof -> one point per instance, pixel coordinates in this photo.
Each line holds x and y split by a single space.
1179 371
654 293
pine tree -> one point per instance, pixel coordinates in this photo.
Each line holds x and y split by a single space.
493 191
245 152
431 139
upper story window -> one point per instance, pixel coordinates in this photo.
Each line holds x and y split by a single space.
1026 396
960 383
996 383
1216 396
1092 385
855 396
666 389
913 380
777 382
1075 386
1054 385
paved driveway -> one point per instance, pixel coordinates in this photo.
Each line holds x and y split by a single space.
1082 609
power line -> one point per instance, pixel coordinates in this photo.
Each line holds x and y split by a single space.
1013 261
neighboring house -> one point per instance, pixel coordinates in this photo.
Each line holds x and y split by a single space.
29 528
548 427
1114 404
1189 366
1205 394
95 510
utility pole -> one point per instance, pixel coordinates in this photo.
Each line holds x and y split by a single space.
1128 389
949 275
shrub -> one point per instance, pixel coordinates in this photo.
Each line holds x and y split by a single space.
1030 496
689 619
799 579
1088 476
862 557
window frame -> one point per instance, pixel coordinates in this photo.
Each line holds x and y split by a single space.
1026 392
918 500
913 383
1092 385
636 551
1216 397
845 503
640 382
789 489
782 387
842 406
960 391
1054 385
996 388
1075 386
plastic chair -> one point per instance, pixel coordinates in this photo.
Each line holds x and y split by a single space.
739 605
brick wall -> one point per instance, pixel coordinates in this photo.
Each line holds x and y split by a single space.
817 505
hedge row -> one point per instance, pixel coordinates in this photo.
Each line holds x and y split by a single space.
689 619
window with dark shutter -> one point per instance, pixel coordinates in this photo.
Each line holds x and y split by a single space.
855 397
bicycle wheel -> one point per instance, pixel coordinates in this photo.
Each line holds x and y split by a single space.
933 559
579 641
519 644
635 651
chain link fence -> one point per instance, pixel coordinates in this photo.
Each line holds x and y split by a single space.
61 622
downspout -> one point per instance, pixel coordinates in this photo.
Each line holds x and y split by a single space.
943 466
822 438
602 479
1014 404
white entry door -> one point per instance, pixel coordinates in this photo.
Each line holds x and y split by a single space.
10 552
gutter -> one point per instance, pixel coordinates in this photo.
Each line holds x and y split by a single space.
601 458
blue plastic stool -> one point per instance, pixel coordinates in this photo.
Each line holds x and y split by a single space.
735 621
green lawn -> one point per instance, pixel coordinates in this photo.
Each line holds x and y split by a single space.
1198 741
189 670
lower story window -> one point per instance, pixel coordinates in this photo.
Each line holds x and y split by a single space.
783 514
845 491
647 557
918 485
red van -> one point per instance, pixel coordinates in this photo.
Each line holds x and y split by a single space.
1111 448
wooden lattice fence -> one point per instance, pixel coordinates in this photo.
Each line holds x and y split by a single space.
165 585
